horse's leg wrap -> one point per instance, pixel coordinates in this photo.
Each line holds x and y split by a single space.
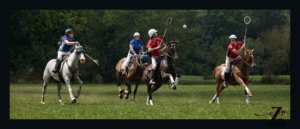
247 98
176 80
171 78
152 76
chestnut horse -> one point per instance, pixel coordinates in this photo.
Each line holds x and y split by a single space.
239 76
135 73
164 71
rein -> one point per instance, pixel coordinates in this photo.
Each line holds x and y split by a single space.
72 71
167 54
245 62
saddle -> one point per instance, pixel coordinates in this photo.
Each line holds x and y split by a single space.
61 64
131 62
232 65
158 68
157 71
60 67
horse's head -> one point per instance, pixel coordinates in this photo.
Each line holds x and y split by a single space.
172 49
79 52
250 58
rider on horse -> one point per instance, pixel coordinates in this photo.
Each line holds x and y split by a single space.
136 47
66 42
154 47
234 49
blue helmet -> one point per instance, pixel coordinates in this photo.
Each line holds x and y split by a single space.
69 31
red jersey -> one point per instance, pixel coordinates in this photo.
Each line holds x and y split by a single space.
152 44
237 47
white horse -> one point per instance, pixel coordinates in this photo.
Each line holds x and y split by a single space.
69 70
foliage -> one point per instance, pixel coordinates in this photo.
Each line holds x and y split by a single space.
105 35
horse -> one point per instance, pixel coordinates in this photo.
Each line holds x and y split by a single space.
240 75
68 72
164 71
135 73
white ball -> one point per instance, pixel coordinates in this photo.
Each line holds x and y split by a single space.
184 26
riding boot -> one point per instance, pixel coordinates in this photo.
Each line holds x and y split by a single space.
226 76
55 70
152 81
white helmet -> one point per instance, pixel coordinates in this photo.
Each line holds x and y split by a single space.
151 32
136 34
232 36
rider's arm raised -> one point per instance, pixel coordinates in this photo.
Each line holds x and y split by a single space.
70 43
153 49
238 51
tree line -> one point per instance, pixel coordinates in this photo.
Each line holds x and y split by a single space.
105 35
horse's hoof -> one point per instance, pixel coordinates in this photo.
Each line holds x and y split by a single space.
249 94
219 103
132 100
211 102
120 96
151 103
248 103
76 97
42 102
126 97
73 101
174 87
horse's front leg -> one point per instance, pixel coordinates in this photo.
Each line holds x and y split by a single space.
128 88
77 80
246 95
241 82
165 75
178 76
135 89
67 80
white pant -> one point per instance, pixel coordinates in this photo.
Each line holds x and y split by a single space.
125 64
61 53
153 59
228 60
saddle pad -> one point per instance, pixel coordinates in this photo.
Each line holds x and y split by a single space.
230 70
62 63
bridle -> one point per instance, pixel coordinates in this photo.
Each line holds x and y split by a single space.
169 54
245 61
78 51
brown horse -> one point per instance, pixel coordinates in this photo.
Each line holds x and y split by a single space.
135 73
240 75
164 71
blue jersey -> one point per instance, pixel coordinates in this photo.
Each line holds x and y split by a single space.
63 46
136 46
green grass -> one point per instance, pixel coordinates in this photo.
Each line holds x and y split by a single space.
258 77
99 101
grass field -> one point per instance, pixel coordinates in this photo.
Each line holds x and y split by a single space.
99 101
